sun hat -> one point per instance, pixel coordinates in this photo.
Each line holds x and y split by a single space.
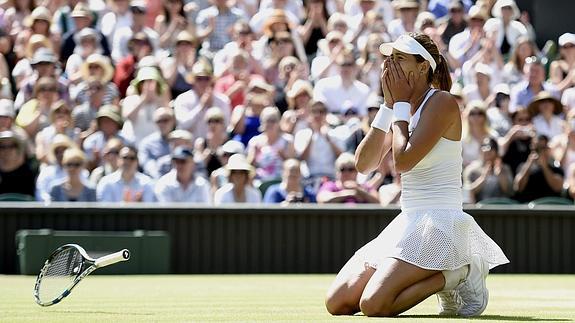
7 108
496 10
111 112
35 40
149 73
162 112
103 62
81 10
87 33
408 45
405 4
43 55
566 38
181 134
232 147
533 106
239 162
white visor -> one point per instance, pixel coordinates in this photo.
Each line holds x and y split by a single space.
408 45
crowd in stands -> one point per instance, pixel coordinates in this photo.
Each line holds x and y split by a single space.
266 101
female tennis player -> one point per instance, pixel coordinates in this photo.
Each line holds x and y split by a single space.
432 246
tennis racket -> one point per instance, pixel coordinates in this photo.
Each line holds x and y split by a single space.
65 268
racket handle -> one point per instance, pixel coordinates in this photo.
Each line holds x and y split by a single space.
104 261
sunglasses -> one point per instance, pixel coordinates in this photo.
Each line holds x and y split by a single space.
131 158
202 78
283 41
347 169
47 89
8 147
347 64
113 152
163 120
371 109
73 165
216 121
523 120
476 113
244 32
319 111
456 10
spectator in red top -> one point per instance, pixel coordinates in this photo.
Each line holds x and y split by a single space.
236 83
139 46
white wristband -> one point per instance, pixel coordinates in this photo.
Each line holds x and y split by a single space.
383 119
401 111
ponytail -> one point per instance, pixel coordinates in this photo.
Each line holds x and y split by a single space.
441 76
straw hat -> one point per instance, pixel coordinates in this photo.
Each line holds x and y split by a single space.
496 10
43 55
239 162
149 73
475 12
299 87
214 113
100 60
186 36
533 107
161 112
277 16
56 106
81 10
34 41
40 13
181 134
200 68
405 4
59 141
260 84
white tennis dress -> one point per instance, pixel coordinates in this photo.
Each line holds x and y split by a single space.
432 231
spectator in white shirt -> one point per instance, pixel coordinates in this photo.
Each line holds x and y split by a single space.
123 35
126 184
408 10
545 110
467 43
504 28
181 184
333 91
239 189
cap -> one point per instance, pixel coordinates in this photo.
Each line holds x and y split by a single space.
233 147
81 10
43 55
7 108
260 84
566 38
502 88
110 111
182 153
239 162
181 134
163 112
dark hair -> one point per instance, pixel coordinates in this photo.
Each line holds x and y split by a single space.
491 143
167 15
441 78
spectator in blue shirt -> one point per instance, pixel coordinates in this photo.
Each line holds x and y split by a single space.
290 190
523 93
156 144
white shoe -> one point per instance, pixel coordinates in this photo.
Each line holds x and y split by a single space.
473 290
449 302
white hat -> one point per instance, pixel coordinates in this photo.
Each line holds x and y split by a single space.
7 108
483 69
502 88
566 38
496 10
408 45
233 147
239 162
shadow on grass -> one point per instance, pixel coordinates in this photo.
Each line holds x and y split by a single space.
488 318
104 313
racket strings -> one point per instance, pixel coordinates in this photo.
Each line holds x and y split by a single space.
59 274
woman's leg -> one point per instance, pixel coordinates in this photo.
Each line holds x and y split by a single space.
397 286
345 292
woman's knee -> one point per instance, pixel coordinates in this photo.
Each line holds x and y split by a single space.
338 306
377 306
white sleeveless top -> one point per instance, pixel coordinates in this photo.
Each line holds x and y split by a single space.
435 182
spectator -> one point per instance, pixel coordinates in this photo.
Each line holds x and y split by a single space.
324 64
109 122
72 187
109 161
562 71
61 122
239 189
297 115
455 22
504 28
563 146
405 23
545 110
176 139
151 93
214 23
358 132
87 43
7 116
15 16
314 26
17 173
523 93
291 70
52 170
516 144
245 120
83 19
177 67
268 150
370 62
23 69
242 39
219 177
498 111
191 106
181 184
538 176
290 190
117 17
38 23
345 188
333 91
467 43
488 58
123 35
126 184
171 23
480 89
139 47
98 68
35 114
318 145
208 146
475 130
488 177
44 65
514 70
156 145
